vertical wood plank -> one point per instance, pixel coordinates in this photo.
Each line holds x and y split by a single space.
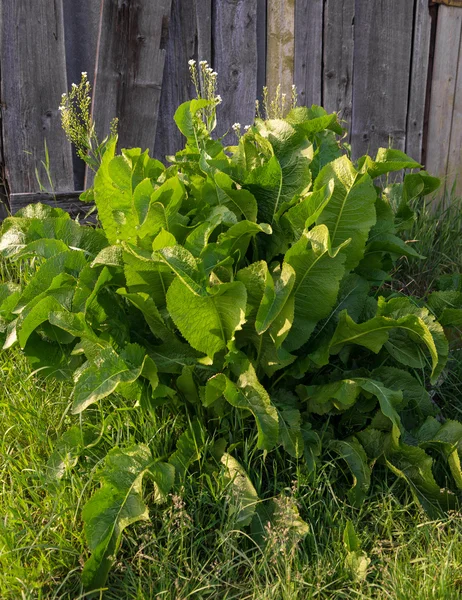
33 78
419 74
308 51
281 23
190 37
81 26
129 69
440 124
261 46
454 166
235 60
203 21
4 205
338 58
382 57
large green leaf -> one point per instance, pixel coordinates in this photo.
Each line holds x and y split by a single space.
243 497
446 437
70 262
386 161
163 210
318 271
100 379
373 334
353 454
207 322
188 448
350 213
117 504
247 394
113 196
277 291
307 211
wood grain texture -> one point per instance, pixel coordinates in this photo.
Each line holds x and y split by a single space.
33 78
81 26
67 201
444 79
418 84
338 58
236 61
281 24
454 163
382 58
129 69
190 37
4 205
309 23
261 46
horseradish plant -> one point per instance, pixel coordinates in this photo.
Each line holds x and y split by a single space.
238 280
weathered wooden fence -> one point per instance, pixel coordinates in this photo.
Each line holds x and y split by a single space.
391 68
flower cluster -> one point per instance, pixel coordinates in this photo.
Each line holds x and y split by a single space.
78 124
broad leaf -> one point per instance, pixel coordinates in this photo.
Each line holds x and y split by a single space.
117 504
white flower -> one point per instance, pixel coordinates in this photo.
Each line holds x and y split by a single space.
202 63
63 95
218 99
84 73
191 62
236 126
213 73
61 108
74 85
247 127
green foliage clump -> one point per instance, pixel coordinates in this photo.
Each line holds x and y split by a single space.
238 288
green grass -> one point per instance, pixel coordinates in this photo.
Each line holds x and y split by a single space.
436 235
190 549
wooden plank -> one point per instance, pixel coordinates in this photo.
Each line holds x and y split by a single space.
4 206
382 58
236 61
308 51
33 79
280 45
454 165
203 10
190 35
66 201
129 69
261 46
338 58
419 76
441 123
81 26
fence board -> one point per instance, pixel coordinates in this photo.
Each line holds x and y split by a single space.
129 69
236 61
454 165
308 51
184 42
448 36
81 25
33 79
382 58
3 193
280 49
68 201
261 46
419 75
338 58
